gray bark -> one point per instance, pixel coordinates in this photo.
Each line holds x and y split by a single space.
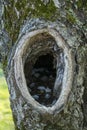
26 33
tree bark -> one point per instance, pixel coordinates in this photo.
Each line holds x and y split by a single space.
51 35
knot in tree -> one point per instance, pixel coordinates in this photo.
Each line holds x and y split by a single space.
44 63
43 71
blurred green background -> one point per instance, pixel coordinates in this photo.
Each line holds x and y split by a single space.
6 122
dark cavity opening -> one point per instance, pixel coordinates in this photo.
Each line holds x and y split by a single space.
42 82
44 69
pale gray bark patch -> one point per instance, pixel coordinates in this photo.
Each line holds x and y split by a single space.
1 15
45 1
57 3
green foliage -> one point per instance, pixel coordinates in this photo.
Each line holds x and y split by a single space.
6 122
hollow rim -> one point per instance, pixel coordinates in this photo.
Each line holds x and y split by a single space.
68 72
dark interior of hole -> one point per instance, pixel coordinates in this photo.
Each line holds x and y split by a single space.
43 76
43 69
45 62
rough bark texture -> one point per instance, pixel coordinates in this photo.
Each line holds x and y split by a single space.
68 19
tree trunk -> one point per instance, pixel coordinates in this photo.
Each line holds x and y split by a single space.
43 55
